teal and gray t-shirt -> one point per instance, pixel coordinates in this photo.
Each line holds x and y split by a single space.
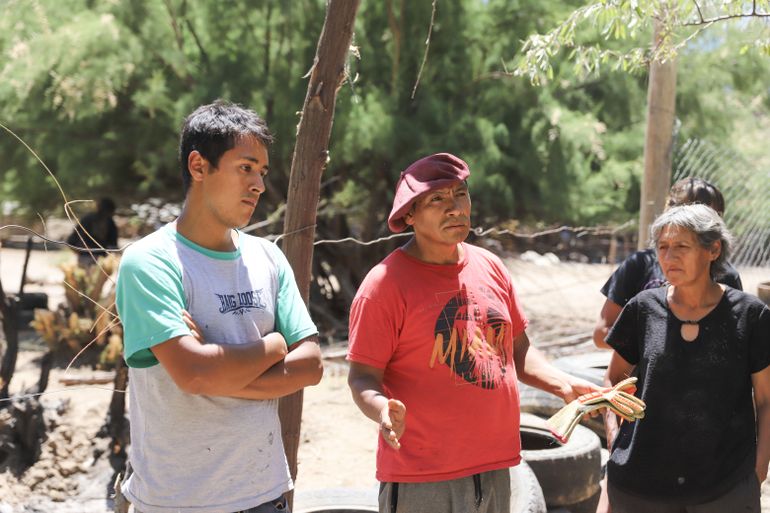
197 453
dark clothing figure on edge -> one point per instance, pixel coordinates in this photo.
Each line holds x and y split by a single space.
97 231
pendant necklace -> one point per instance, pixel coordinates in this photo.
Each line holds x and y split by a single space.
690 329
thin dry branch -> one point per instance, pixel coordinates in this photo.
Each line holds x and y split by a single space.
710 21
427 46
700 13
92 342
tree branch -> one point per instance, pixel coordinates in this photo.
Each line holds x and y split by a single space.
427 46
395 29
700 13
268 39
726 17
204 55
174 26
179 38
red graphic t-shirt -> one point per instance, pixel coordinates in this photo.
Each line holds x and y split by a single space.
444 336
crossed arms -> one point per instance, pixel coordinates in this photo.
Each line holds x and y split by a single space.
262 369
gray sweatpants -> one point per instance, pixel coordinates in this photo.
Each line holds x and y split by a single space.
488 492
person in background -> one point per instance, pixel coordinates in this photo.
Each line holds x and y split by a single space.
701 351
437 342
96 232
641 271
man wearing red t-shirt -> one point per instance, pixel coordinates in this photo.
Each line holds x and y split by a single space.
436 330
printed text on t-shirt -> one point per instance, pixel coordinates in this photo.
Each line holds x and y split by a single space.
241 302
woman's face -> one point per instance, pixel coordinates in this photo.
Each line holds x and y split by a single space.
682 258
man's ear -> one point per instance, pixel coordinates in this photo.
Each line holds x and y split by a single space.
197 165
409 216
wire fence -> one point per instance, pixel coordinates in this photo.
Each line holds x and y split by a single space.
746 190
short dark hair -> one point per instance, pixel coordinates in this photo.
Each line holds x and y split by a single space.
214 129
696 190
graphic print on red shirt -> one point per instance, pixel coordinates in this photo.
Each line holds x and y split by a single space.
470 338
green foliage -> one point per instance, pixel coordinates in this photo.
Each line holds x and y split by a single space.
678 23
99 90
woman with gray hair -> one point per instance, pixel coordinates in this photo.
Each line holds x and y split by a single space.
701 352
640 270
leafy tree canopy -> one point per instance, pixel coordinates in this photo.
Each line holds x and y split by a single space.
99 90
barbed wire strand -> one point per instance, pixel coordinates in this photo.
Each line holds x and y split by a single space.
580 231
60 390
60 242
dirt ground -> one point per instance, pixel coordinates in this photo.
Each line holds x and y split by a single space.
337 448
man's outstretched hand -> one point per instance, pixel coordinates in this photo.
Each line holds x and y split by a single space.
393 422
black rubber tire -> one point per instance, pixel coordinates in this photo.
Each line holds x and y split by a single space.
541 403
32 300
568 474
336 500
526 494
585 506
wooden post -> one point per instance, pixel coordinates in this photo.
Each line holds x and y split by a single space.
9 308
658 141
612 256
24 269
309 159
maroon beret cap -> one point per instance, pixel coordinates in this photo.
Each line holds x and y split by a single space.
427 174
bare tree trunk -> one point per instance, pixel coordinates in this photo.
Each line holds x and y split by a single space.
310 156
395 29
659 141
